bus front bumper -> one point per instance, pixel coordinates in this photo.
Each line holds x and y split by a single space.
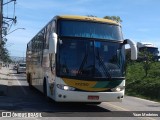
77 96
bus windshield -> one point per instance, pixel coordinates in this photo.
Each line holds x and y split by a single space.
151 50
90 58
69 28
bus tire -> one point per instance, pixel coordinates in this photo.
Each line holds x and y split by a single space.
45 90
29 79
44 87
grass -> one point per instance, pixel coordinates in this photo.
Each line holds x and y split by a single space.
140 85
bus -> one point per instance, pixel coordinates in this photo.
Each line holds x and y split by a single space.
79 59
149 48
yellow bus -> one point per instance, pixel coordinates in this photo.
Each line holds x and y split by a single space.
79 59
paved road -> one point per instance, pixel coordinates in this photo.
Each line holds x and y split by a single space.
19 98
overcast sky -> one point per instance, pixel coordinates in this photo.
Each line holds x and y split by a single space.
141 18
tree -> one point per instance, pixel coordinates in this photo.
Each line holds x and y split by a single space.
4 55
115 18
147 59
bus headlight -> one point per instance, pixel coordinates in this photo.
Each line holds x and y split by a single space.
118 89
65 87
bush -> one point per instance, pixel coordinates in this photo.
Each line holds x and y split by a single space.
137 84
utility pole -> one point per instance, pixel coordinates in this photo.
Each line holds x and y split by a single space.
1 21
5 21
2 18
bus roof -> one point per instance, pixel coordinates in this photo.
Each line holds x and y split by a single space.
87 18
145 44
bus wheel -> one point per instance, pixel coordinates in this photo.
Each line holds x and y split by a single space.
45 90
44 87
29 79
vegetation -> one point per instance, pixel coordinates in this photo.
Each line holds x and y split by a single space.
115 18
143 76
147 59
141 85
4 54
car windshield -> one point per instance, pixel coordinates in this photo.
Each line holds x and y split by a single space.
90 58
69 28
22 65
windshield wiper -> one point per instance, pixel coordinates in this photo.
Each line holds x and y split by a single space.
107 74
83 62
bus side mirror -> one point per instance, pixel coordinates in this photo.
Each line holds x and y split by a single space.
53 43
133 48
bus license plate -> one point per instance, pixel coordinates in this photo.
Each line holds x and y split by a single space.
93 97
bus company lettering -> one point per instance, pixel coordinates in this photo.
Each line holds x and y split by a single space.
82 84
